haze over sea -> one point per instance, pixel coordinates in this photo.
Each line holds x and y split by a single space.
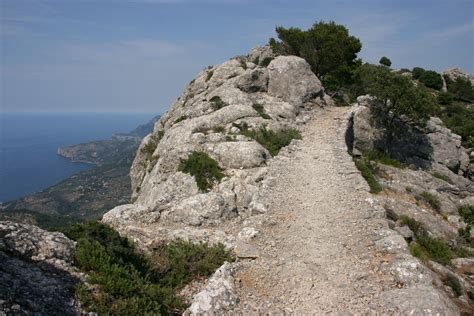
28 144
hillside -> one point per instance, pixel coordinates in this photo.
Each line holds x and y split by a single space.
87 194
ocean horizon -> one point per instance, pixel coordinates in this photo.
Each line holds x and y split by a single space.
29 141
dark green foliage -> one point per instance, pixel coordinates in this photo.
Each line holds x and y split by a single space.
257 60
209 75
149 147
459 118
415 226
445 98
398 98
182 261
381 157
431 79
266 61
205 170
417 72
426 247
441 176
126 282
453 282
273 141
385 61
431 200
461 89
219 129
217 103
467 214
367 173
181 118
261 111
326 46
243 64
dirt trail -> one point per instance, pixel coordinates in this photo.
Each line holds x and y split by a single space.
319 255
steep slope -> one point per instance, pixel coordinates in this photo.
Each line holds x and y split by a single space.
307 234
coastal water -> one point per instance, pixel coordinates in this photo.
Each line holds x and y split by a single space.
28 144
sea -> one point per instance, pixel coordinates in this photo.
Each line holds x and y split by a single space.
29 141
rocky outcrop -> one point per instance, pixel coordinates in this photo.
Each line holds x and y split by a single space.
434 146
36 274
454 73
220 103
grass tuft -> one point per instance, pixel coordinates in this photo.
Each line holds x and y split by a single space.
217 103
273 141
431 200
441 176
367 172
261 111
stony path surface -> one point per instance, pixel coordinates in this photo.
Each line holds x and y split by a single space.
318 256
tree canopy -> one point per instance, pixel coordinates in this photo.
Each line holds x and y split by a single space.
326 46
385 61
397 96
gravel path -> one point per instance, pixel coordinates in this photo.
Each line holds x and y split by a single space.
318 256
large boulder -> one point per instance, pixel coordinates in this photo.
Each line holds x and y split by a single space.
292 80
454 73
36 273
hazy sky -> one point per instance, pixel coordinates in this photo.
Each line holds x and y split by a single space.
137 55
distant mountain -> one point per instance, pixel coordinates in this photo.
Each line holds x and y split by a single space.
87 194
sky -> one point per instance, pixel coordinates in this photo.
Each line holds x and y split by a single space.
138 55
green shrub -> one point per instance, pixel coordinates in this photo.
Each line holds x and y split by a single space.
453 282
368 174
431 200
181 118
149 147
445 98
415 226
461 89
261 111
467 213
182 261
126 282
383 158
417 251
219 129
217 103
431 79
209 75
436 248
205 170
441 176
385 61
243 64
459 118
266 61
257 60
417 72
273 141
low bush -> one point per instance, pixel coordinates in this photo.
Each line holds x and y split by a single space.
427 247
445 98
257 60
126 282
431 200
181 118
243 64
441 176
266 61
431 79
149 147
273 141
381 157
209 75
453 282
367 173
261 111
205 170
461 89
217 103
417 72
219 129
467 214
